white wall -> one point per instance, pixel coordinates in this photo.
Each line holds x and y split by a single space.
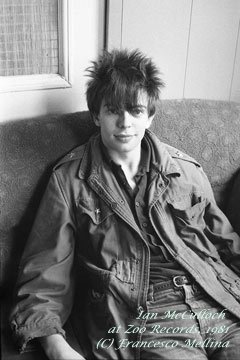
196 43
86 40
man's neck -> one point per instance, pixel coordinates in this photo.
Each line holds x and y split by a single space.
129 162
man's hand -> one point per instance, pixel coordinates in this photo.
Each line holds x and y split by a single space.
57 348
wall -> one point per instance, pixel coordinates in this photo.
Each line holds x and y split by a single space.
196 43
86 40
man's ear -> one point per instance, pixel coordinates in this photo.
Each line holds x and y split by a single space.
96 120
150 119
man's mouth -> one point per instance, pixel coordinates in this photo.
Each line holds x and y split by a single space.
124 137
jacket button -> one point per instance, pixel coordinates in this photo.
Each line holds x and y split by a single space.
113 205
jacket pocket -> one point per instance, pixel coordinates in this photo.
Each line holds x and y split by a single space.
226 276
189 221
186 214
230 283
125 270
93 208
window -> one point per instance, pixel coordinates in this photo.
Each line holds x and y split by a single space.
33 44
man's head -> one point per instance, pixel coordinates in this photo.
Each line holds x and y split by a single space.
119 77
122 95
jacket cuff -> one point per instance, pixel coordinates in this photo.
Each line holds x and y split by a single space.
24 334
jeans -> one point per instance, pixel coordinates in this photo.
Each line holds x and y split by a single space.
184 323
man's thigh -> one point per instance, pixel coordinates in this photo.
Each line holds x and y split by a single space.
173 332
229 340
184 328
220 330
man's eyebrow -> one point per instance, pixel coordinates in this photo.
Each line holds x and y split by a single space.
108 105
138 106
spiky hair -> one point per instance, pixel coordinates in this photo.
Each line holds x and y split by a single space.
119 76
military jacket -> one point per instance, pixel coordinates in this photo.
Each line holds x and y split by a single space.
82 232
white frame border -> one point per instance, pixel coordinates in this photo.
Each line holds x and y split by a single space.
114 24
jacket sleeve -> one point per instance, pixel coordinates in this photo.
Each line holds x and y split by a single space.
219 230
44 289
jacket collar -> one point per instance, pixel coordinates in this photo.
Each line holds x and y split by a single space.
161 160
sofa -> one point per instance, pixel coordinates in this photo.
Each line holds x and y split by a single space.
205 129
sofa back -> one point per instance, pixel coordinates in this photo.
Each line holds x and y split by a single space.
207 130
29 149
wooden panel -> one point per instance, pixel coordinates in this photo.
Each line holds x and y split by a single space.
213 37
235 92
114 24
160 29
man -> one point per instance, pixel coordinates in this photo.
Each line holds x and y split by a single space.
139 222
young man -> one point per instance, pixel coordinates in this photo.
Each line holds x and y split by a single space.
141 226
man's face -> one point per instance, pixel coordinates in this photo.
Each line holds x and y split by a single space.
123 130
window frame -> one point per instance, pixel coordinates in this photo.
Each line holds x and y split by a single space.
46 81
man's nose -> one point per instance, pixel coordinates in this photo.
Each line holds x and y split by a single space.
125 120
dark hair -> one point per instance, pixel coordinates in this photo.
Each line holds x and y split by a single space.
118 77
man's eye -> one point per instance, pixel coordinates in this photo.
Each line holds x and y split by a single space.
136 112
113 111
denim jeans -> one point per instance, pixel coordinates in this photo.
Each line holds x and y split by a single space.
183 323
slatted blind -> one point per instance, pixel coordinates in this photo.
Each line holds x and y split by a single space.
28 37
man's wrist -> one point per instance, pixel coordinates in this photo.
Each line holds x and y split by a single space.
57 348
53 345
